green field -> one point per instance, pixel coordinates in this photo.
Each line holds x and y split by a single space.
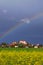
22 49
21 56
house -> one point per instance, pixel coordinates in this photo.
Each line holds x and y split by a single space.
16 46
36 46
22 43
13 44
26 46
4 44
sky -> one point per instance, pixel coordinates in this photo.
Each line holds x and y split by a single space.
12 11
23 8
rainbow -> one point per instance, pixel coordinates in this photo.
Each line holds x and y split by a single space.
20 23
11 29
36 16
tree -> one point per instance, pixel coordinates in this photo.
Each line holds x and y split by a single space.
4 44
20 45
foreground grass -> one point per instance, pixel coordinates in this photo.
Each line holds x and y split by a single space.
19 56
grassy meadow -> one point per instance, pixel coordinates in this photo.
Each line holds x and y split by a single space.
21 56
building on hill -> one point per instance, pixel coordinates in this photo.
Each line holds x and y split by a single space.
22 43
25 44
